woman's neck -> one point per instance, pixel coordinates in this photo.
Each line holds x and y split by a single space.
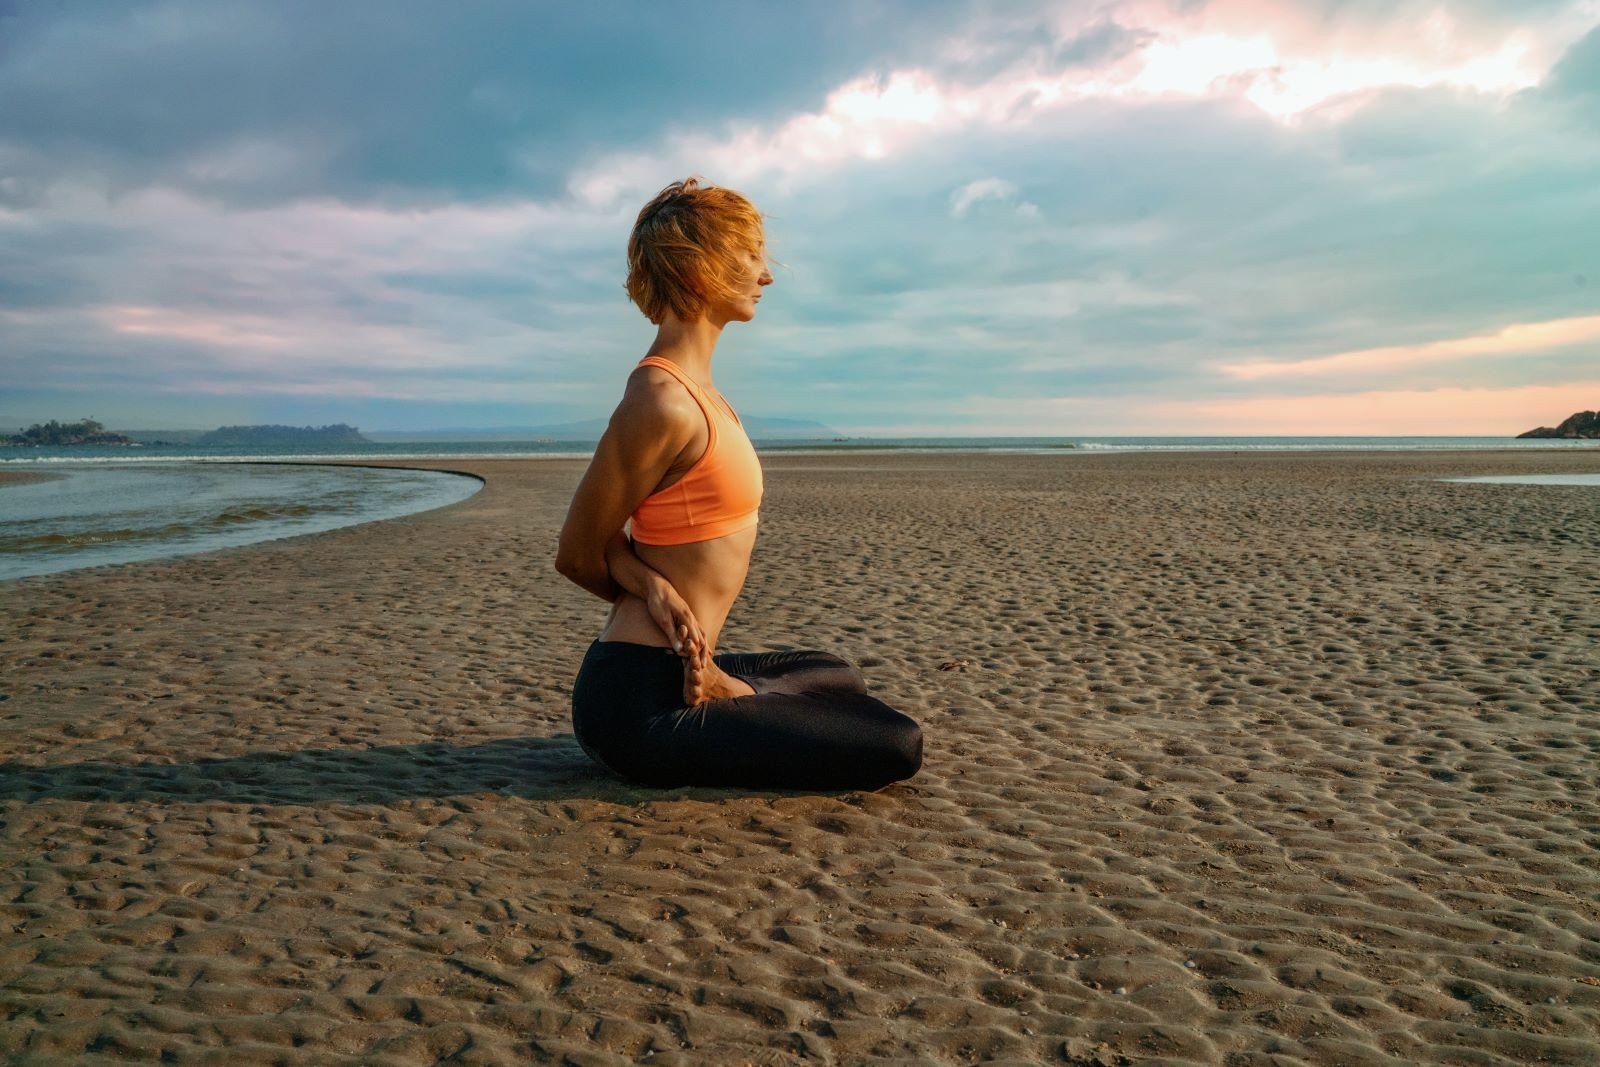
688 344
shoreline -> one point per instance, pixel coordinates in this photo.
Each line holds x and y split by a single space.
432 464
111 516
774 449
1229 756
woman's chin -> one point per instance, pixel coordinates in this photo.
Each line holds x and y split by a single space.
738 312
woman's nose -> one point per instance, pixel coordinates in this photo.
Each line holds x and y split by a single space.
766 277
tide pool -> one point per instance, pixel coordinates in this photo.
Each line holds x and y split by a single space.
95 514
1531 479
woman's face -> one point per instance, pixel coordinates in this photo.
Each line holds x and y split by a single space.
747 285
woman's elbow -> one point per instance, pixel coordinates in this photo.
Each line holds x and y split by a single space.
569 556
590 573
571 565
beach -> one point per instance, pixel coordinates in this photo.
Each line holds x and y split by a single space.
1230 758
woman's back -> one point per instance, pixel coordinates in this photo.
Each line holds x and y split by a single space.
720 493
698 527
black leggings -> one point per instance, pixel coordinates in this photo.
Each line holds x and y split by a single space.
809 725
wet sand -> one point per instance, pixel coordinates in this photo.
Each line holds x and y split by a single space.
1230 759
24 477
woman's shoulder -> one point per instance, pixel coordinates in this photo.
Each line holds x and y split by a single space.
655 396
653 373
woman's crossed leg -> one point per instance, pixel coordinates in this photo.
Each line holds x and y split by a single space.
810 724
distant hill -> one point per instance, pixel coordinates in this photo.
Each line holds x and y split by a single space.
1579 424
83 432
10 424
336 434
166 437
758 427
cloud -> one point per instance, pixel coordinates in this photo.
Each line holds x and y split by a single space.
1445 411
259 103
1279 58
315 298
1578 73
973 193
1516 339
1217 203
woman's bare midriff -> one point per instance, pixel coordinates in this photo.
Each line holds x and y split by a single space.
707 574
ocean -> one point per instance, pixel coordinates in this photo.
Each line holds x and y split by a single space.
23 458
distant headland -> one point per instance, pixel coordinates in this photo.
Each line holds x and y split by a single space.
336 434
1580 424
83 432
89 432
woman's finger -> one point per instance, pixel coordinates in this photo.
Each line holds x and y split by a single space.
691 627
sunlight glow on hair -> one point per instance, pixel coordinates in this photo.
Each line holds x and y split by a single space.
687 244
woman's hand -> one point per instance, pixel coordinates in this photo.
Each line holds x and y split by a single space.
673 614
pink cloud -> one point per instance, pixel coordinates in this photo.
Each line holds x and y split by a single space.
230 331
277 349
1447 412
1514 339
1396 412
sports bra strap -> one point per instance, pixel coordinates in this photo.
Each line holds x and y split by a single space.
695 391
720 493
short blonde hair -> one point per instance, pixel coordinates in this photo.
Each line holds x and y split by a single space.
686 247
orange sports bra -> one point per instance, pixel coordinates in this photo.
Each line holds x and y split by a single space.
720 494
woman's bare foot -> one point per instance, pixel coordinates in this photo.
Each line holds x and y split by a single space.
703 680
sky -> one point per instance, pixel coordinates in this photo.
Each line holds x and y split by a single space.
1117 217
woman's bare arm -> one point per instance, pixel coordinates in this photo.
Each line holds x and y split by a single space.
630 572
655 423
669 610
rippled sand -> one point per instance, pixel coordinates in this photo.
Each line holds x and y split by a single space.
1231 759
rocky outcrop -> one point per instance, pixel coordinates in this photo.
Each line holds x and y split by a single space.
1582 424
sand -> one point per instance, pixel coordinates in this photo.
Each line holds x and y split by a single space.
1235 759
24 477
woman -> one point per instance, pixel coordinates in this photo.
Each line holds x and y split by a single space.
653 700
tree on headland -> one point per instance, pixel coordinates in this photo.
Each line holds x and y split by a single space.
82 432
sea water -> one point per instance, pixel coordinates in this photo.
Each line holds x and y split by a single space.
89 514
25 458
1530 479
116 504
